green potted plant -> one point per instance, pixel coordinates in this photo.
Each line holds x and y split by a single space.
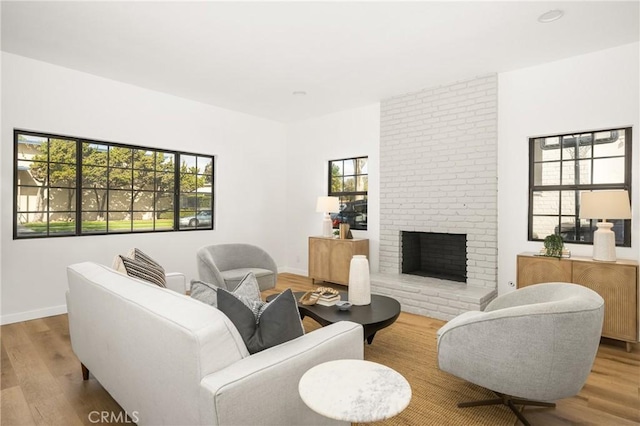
553 245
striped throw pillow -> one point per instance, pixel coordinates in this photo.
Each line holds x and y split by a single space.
146 271
137 254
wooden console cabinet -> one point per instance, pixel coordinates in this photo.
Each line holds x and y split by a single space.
329 258
616 282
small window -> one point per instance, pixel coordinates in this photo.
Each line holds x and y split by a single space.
349 180
68 186
562 166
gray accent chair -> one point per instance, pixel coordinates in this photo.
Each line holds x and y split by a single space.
224 265
531 346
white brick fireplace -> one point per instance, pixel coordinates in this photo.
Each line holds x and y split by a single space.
438 173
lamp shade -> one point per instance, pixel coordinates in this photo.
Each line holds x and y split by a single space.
605 205
328 205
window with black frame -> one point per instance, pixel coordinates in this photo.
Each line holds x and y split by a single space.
349 181
67 186
563 166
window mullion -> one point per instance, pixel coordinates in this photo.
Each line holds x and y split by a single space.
176 193
108 190
78 187
132 193
47 188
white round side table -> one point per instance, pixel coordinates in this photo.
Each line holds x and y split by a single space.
354 390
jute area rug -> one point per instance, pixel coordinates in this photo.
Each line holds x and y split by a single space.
409 347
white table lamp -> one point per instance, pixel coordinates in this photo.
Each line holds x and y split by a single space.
327 205
604 205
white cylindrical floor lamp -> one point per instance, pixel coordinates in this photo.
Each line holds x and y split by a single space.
604 205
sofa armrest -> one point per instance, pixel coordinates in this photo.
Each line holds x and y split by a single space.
177 282
276 372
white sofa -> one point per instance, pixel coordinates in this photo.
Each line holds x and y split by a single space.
176 282
169 359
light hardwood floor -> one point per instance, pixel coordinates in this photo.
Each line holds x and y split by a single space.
42 384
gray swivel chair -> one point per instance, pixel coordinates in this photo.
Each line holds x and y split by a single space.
531 346
224 265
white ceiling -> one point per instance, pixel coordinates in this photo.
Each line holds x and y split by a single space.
251 56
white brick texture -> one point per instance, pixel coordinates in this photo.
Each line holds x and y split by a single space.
438 173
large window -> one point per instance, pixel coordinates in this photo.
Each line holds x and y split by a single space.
561 167
349 180
69 186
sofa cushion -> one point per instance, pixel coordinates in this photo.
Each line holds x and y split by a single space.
261 325
204 292
136 254
247 290
144 271
140 265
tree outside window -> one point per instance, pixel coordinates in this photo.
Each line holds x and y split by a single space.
69 186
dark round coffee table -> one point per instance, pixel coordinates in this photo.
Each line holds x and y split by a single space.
381 313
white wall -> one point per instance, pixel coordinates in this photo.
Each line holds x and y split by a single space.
589 92
310 146
249 189
277 209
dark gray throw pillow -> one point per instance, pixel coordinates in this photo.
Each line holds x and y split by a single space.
276 322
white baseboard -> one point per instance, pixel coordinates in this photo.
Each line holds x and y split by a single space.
289 270
35 314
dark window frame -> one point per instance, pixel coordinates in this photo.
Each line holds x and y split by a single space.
77 214
626 185
354 225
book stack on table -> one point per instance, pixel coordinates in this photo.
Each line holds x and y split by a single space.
328 298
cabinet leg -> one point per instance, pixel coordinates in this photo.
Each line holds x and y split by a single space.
628 346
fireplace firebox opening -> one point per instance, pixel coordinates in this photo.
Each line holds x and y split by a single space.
437 255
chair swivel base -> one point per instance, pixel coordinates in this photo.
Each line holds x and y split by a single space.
509 402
